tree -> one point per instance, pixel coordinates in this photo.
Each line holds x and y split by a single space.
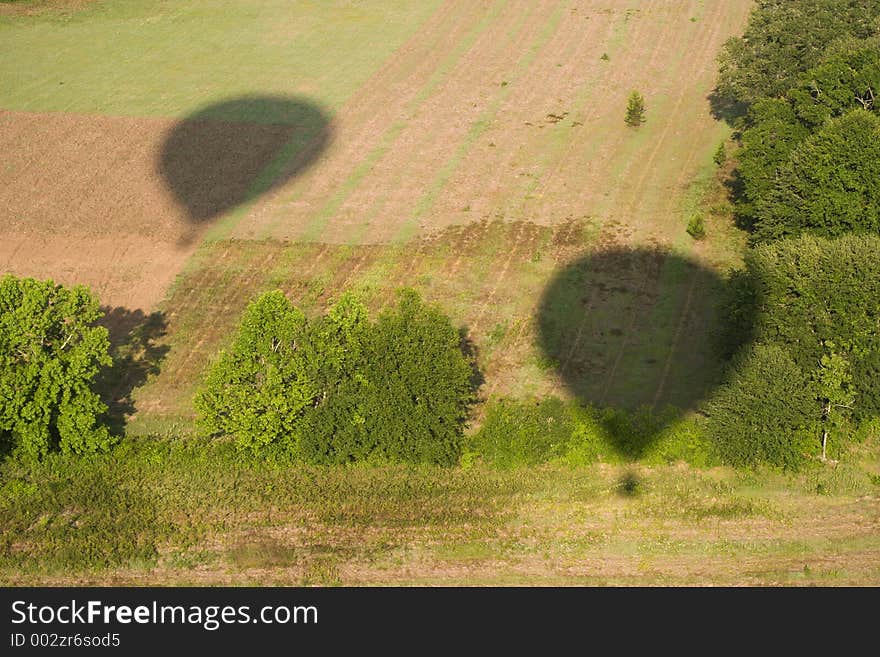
762 413
773 132
844 80
402 393
635 110
809 293
830 185
847 78
50 355
807 312
783 39
834 391
260 388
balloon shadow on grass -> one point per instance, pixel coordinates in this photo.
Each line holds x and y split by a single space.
635 333
231 152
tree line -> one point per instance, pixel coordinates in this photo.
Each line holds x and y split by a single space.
333 389
803 316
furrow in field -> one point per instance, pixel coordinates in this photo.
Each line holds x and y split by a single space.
371 122
445 126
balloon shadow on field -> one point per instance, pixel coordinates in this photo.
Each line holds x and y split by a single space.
635 333
232 152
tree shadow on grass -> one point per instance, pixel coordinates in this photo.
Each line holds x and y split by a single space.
135 344
727 109
229 153
636 331
471 351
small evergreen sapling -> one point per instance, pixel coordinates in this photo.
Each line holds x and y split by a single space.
635 110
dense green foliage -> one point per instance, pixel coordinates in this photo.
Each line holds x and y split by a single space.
341 388
401 394
523 432
804 314
812 292
773 134
811 307
50 355
845 80
761 415
783 39
259 389
830 185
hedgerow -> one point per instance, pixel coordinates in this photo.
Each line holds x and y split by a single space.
341 388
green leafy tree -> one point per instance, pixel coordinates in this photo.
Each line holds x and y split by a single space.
635 110
834 386
774 132
830 185
261 387
50 355
804 294
783 39
762 414
403 395
847 78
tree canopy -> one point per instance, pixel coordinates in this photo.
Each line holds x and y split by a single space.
783 39
829 186
50 355
340 388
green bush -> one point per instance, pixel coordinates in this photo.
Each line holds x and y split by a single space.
50 355
340 389
696 227
260 388
517 433
533 431
763 413
720 156
404 398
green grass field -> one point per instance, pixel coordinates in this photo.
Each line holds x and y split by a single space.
168 59
475 151
181 512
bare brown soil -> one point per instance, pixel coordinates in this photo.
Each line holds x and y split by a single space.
83 200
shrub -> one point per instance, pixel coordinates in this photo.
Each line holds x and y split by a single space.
260 388
762 414
517 433
635 110
402 395
534 431
50 355
720 156
696 227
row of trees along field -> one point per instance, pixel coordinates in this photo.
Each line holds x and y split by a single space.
804 314
335 389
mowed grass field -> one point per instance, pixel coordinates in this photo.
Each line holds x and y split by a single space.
181 158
